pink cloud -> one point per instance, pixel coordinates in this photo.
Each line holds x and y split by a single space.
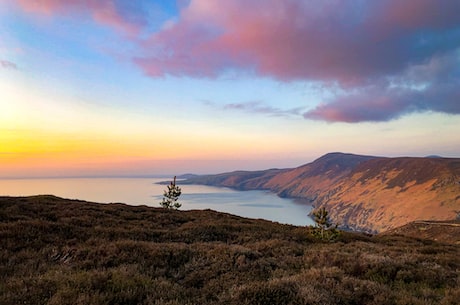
105 12
363 46
345 41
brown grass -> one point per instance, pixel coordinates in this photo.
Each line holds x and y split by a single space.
57 251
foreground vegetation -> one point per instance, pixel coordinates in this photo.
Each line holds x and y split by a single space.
56 251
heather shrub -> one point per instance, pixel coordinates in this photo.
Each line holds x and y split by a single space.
265 293
56 251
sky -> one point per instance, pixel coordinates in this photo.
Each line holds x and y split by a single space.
121 87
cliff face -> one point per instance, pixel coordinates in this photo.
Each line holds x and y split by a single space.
382 194
365 193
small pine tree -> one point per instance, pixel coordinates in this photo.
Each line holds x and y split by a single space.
171 196
324 228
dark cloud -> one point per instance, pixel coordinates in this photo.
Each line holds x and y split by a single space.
433 86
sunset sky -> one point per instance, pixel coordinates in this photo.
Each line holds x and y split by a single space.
121 87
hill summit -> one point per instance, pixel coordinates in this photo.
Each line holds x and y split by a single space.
366 193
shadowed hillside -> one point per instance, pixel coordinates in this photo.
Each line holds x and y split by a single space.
57 251
365 193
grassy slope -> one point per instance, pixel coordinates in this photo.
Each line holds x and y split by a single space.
443 231
56 251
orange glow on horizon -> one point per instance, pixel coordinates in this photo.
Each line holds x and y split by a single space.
26 152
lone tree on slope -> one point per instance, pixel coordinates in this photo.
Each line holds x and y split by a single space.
171 196
325 229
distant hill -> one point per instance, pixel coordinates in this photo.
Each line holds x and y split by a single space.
242 180
433 156
187 176
367 193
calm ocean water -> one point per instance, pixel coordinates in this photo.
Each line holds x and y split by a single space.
145 191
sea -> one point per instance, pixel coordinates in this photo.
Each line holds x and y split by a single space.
147 191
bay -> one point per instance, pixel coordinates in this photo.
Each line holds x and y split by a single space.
146 191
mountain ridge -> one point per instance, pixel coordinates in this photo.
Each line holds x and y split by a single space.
365 193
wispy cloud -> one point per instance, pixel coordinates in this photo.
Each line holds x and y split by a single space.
258 107
123 16
6 64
